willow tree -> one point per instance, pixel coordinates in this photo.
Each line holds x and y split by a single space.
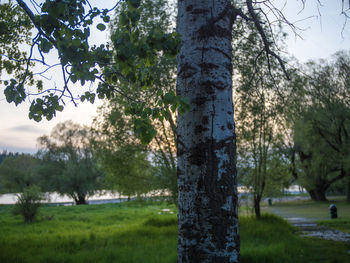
68 163
321 125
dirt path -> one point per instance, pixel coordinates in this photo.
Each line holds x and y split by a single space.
309 228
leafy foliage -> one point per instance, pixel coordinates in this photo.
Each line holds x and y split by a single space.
6 154
15 29
144 50
137 118
18 172
120 154
129 171
68 165
259 117
64 26
320 137
28 203
322 127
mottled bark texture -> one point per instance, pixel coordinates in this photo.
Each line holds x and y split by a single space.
348 190
208 223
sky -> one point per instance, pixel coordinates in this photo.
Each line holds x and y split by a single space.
321 29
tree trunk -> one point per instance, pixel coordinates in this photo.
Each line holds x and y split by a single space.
317 194
208 214
257 206
348 190
80 200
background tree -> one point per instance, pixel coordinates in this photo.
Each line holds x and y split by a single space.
5 154
67 162
120 153
117 131
321 140
258 89
320 124
18 173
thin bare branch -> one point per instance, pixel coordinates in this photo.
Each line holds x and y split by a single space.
267 44
35 39
35 5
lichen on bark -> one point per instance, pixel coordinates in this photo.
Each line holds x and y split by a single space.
208 222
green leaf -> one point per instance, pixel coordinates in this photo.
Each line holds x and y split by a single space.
169 98
45 45
159 92
39 85
134 3
59 108
73 78
76 42
106 19
144 130
123 19
173 108
101 27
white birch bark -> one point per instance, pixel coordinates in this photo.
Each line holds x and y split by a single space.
208 223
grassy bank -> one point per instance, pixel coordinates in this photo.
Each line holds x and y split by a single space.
132 232
272 240
316 211
313 210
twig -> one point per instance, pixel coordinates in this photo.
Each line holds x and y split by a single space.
267 44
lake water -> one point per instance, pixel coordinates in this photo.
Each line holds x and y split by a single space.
106 197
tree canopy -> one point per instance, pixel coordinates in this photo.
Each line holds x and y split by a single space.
68 164
18 173
321 124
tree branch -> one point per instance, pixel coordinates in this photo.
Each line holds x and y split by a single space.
263 36
32 18
342 175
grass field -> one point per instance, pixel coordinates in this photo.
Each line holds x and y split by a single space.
313 210
133 232
316 211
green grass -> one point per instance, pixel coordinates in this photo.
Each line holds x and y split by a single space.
317 211
311 209
339 224
97 233
272 240
132 232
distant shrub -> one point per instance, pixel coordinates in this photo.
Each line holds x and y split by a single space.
28 203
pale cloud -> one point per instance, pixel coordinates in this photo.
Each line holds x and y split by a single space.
27 129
